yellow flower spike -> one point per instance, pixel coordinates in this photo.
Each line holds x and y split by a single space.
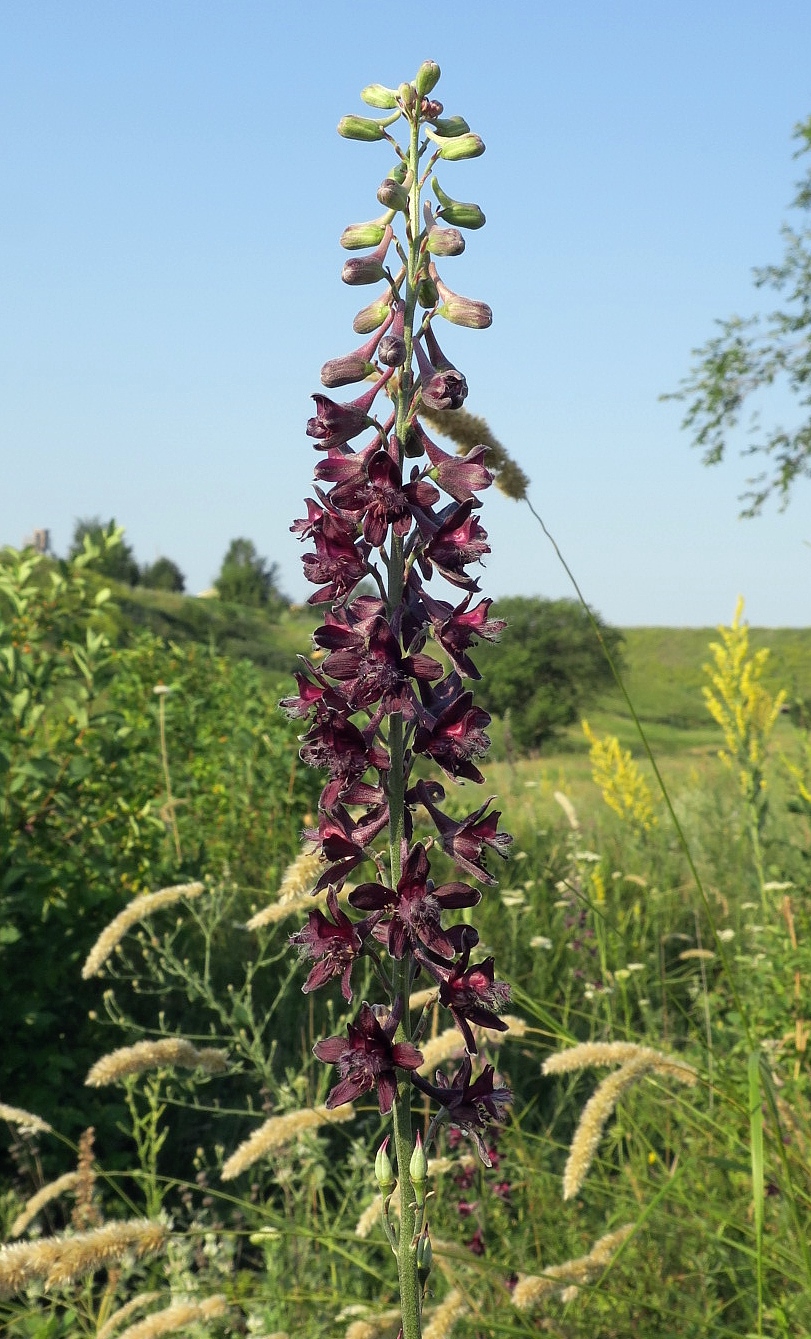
621 781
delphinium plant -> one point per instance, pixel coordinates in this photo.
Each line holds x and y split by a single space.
393 511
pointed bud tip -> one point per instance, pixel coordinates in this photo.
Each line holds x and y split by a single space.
428 76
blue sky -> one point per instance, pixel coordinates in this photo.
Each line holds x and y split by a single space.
173 196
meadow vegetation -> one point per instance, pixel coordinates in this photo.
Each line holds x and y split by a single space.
653 1177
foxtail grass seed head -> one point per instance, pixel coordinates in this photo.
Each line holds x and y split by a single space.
49 1192
140 907
170 1052
448 1045
177 1318
125 1312
566 1279
451 1309
26 1121
278 1132
601 1105
58 1261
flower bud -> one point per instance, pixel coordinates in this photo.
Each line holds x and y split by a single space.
425 1256
377 95
369 318
360 127
451 126
392 350
418 1167
363 270
427 293
384 1172
458 310
359 235
427 77
392 195
355 366
455 211
408 96
453 150
445 242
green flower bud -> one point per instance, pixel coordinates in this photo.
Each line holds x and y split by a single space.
372 316
377 95
359 235
408 96
418 1166
453 150
427 295
455 211
445 242
458 310
392 195
399 173
425 1256
451 126
384 1172
427 77
360 127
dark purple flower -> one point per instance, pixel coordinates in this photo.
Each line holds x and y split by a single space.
338 745
470 1106
370 666
368 1058
343 841
458 540
441 385
464 841
412 913
457 628
472 995
335 423
334 944
461 476
339 561
452 729
378 493
477 1243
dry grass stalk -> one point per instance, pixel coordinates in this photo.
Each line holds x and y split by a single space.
176 1317
567 1278
27 1121
146 1055
279 1131
600 1106
43 1196
58 1261
124 1312
138 910
452 1307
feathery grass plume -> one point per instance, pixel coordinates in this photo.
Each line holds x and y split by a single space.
176 1317
620 780
600 1106
124 1312
469 431
372 1327
452 1307
568 809
138 910
26 1120
86 1213
154 1055
445 1046
567 1278
44 1196
370 1217
281 1130
294 892
57 1261
420 998
597 1053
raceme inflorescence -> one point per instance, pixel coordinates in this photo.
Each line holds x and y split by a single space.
389 514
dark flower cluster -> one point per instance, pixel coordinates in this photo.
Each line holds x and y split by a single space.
386 691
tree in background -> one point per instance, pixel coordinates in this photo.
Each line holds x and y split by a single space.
246 577
115 561
752 354
546 666
163 574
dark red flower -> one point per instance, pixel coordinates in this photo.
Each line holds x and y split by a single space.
366 659
470 1106
338 560
471 994
452 729
334 944
338 745
458 540
382 498
335 424
343 842
441 386
411 913
464 841
368 1058
477 1243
